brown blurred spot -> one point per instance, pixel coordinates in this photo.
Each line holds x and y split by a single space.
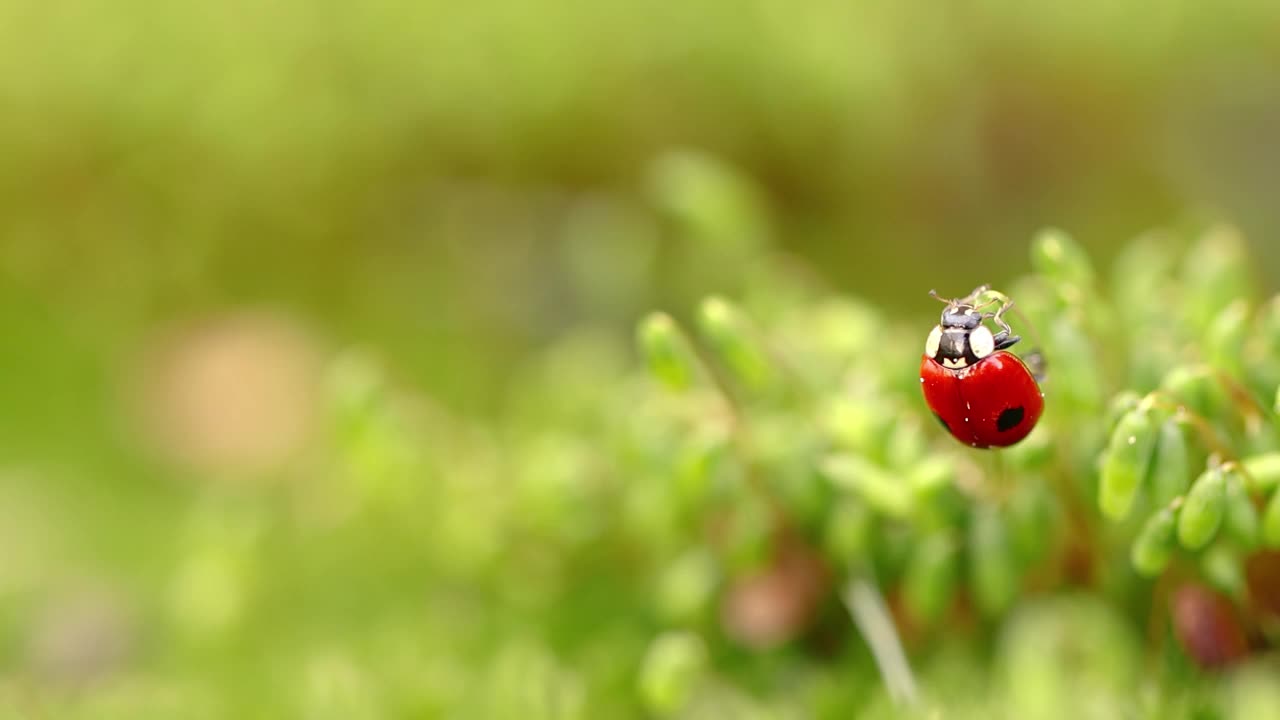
1078 560
776 604
1262 573
81 638
236 394
1207 625
911 629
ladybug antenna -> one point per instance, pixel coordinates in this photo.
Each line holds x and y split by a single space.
972 298
989 303
998 316
1031 329
1006 304
1034 358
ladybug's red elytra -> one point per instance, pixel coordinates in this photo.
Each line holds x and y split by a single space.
984 395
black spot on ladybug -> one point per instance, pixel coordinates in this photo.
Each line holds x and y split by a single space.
1009 418
942 422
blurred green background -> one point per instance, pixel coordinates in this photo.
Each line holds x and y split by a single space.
201 204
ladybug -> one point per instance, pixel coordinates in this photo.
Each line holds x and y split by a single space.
984 395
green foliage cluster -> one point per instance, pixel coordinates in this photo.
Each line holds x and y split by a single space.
687 533
1168 370
680 531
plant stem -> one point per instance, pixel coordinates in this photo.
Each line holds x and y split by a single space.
872 618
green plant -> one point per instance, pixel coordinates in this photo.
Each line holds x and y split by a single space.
761 519
825 472
757 517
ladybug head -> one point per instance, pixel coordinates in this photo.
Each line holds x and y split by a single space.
960 339
961 316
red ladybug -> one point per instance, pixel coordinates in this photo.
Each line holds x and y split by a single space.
982 394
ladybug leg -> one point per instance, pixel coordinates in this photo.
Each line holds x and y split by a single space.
1004 340
1036 364
969 299
972 297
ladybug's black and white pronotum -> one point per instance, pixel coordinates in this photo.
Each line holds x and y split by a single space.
982 394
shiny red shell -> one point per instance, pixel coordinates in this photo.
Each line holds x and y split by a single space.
994 402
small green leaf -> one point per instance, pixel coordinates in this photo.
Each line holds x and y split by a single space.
1077 387
696 460
1225 338
1127 460
1271 522
1141 271
1269 325
1034 453
1155 543
931 475
992 573
749 533
671 671
1240 521
906 445
1262 472
1216 271
1122 404
356 390
1201 515
734 339
666 350
853 424
1252 691
930 577
1197 388
848 534
1171 466
1031 512
715 205
876 486
687 586
1055 255
1223 568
